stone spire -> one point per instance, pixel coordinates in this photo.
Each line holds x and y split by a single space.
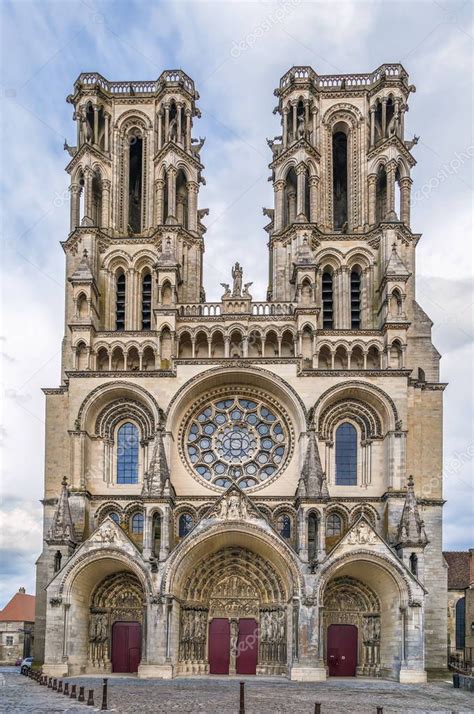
396 266
312 481
83 272
157 478
62 531
411 530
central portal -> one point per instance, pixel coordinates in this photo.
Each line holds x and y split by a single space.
233 616
233 646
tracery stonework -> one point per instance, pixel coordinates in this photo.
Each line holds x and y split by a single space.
236 485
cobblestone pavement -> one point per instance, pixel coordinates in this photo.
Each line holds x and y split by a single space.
221 696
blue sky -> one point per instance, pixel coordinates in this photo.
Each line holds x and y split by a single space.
236 53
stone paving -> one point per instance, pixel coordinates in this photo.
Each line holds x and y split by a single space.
221 696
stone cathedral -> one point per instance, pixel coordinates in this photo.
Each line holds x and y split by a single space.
243 487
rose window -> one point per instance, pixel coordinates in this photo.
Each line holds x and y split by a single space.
236 440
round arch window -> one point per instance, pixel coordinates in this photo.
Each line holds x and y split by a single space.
237 439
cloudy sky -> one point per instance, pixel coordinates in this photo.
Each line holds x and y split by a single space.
236 53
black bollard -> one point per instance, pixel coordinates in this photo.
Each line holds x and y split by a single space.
60 686
242 698
104 695
66 689
73 691
81 694
317 708
50 683
90 698
55 685
379 710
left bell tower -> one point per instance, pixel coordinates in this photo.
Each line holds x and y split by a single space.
135 176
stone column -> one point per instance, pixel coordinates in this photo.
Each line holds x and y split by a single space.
88 192
193 189
293 133
372 126
405 197
285 127
96 124
346 288
130 294
188 130
314 112
300 191
180 209
171 176
372 180
179 108
226 345
292 199
391 167
167 122
160 129
159 190
75 190
105 218
306 118
413 662
313 198
107 133
279 188
166 526
384 118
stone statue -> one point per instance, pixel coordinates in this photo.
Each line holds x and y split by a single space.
226 287
233 507
237 274
173 130
245 292
86 130
196 147
223 509
300 127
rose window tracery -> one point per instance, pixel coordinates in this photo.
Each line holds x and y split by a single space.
236 439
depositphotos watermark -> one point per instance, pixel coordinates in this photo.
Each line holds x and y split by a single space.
281 12
445 171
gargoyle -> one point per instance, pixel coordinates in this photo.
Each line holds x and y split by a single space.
71 150
411 144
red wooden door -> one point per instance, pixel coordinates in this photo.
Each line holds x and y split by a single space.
219 646
247 647
126 646
342 650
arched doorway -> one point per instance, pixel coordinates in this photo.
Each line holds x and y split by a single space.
233 617
352 628
115 623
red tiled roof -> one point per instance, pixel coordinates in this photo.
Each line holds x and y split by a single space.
458 569
21 608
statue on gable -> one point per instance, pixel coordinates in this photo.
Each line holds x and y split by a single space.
237 274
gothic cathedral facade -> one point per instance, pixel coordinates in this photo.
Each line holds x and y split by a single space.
239 486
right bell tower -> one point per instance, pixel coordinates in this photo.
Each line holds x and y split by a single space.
340 171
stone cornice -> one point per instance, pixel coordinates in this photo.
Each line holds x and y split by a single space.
299 144
241 362
84 149
387 143
354 373
429 386
70 245
122 373
55 390
172 146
